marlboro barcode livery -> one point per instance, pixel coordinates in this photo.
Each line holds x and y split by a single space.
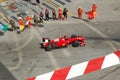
81 68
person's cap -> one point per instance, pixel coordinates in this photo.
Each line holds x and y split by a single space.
20 18
79 6
94 3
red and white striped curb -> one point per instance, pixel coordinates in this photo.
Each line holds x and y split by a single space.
81 68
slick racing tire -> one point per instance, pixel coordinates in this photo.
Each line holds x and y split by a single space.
76 44
49 48
73 36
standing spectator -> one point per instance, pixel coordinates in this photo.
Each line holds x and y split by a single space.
41 17
12 23
28 21
35 18
38 1
47 14
92 14
59 14
94 7
21 23
53 14
65 13
80 11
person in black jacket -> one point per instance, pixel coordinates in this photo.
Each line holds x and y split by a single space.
12 23
53 14
47 14
65 13
41 17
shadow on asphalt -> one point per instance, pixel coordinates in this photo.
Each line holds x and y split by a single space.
5 73
75 17
86 20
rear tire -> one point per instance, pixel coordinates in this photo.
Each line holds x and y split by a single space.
76 44
49 48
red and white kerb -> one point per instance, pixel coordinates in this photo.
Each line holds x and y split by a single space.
81 68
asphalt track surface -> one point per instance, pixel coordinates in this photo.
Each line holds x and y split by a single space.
5 74
24 58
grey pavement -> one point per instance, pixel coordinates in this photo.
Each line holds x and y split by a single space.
5 74
23 57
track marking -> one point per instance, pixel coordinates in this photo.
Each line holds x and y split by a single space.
20 55
98 32
117 43
62 22
22 46
66 53
102 35
53 60
42 30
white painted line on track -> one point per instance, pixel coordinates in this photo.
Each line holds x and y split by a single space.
66 53
101 34
105 36
22 46
26 43
42 30
62 22
98 32
117 43
20 55
52 59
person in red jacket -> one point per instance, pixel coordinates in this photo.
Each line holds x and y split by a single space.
80 11
94 7
59 14
21 23
92 14
28 21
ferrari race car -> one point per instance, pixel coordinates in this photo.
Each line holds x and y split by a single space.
75 40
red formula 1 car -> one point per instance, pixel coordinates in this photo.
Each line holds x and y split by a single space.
62 42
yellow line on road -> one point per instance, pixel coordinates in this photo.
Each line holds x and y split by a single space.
2 1
4 17
53 3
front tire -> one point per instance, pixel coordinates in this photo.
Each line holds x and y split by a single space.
49 47
76 44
